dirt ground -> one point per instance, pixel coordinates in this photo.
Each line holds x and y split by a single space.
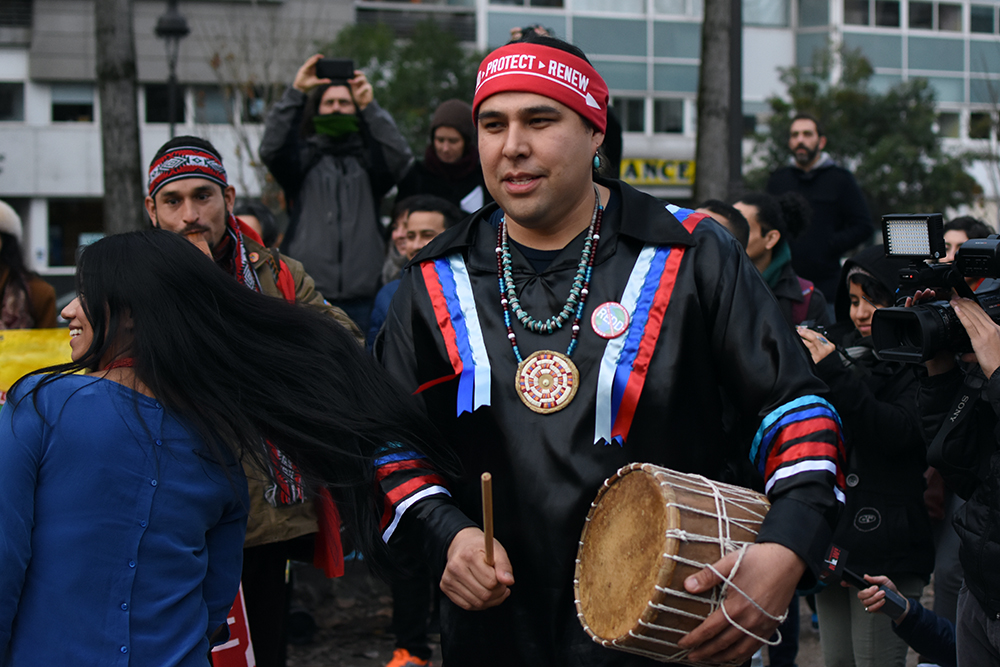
354 613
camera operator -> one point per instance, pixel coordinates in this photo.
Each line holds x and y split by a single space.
884 525
959 405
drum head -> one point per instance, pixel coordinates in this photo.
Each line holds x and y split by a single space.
621 561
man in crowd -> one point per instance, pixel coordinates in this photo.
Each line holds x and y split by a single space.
426 217
960 230
840 216
189 194
472 319
336 153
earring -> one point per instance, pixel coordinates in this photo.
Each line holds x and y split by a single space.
597 161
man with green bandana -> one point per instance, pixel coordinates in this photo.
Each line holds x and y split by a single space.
336 153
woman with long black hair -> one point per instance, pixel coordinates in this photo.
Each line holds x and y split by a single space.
122 501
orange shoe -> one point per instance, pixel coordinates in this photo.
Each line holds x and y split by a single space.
402 658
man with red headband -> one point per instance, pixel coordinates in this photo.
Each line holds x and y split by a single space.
573 327
190 195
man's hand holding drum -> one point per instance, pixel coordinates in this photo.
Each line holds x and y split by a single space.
768 575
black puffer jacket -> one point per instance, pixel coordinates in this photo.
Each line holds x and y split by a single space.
884 526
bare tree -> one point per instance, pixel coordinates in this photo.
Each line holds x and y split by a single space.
116 82
712 167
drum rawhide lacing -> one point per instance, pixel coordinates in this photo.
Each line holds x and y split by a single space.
631 597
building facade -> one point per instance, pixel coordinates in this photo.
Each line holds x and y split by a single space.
647 50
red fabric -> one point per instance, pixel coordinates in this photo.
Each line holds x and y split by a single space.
284 282
654 323
533 68
329 553
442 315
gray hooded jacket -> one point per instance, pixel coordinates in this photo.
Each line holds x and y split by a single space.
333 190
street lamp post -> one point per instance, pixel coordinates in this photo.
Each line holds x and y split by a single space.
172 27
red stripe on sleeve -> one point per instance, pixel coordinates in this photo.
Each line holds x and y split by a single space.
402 491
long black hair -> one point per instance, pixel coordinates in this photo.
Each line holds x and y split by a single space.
243 367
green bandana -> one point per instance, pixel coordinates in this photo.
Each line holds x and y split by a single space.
335 125
782 255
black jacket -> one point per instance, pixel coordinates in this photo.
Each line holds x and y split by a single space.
840 219
885 526
970 462
468 193
722 336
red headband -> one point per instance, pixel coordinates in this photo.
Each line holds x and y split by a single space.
185 162
532 68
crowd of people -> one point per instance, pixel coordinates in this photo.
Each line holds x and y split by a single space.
245 394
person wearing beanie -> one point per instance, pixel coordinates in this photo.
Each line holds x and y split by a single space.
26 301
884 527
336 153
450 168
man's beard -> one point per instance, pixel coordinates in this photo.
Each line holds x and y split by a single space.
809 156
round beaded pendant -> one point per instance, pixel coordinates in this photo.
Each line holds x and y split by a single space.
547 381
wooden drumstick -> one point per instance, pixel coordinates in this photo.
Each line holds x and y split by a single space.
487 483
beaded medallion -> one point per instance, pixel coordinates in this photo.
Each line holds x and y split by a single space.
547 381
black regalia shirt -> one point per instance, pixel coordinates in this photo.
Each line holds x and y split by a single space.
705 338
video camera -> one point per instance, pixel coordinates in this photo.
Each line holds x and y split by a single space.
918 333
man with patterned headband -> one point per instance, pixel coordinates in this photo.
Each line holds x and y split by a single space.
573 327
190 195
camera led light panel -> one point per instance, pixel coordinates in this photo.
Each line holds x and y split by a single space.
919 236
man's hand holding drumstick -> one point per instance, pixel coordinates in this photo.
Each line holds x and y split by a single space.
478 571
768 575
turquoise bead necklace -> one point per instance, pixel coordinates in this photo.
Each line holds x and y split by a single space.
577 294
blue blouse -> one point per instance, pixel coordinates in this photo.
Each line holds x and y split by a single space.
120 536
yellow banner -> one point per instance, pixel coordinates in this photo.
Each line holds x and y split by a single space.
649 171
26 350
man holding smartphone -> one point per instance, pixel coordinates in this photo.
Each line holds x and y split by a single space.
336 153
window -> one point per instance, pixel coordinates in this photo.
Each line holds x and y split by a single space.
856 12
813 13
948 125
765 12
212 105
922 15
70 221
72 103
887 13
157 105
982 19
980 125
678 7
11 101
949 17
668 116
631 113
936 16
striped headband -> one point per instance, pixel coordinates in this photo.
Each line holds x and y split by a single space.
185 162
533 68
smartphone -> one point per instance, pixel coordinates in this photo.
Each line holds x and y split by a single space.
335 69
